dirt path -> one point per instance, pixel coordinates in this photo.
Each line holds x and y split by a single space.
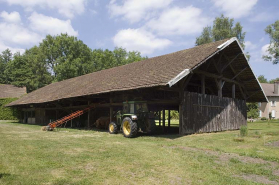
225 157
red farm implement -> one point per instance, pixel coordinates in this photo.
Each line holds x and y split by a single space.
65 119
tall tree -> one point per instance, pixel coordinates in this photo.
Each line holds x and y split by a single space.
262 79
66 56
273 48
5 58
58 58
223 27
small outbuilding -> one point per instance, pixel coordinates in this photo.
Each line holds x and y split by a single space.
208 84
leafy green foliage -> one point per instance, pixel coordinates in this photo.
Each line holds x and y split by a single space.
262 79
263 118
273 49
5 58
58 58
273 80
252 110
223 27
243 131
7 113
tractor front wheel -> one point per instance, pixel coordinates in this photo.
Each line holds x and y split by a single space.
112 128
130 128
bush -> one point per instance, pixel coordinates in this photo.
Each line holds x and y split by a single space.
243 131
263 118
7 113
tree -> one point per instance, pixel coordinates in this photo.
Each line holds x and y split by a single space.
262 79
273 48
104 59
58 58
66 56
252 110
273 80
223 27
5 58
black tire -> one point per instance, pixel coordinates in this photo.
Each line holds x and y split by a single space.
129 128
112 128
150 126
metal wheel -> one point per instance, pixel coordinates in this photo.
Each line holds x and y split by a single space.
113 128
130 128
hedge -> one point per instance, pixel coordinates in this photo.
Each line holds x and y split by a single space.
7 113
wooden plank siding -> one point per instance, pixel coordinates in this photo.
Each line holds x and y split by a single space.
208 113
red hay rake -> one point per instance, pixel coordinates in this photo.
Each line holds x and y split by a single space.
65 119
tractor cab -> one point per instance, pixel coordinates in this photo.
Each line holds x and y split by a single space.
133 107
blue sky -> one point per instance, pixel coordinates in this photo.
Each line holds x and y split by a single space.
153 27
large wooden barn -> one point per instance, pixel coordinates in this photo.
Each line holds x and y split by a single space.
208 84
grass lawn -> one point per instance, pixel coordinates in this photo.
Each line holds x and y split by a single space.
69 156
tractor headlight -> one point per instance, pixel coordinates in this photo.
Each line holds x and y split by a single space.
134 117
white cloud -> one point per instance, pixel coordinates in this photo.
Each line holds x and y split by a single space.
12 17
136 10
235 8
178 21
67 8
17 34
13 50
249 45
139 40
49 25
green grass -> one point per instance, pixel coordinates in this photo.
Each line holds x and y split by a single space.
69 156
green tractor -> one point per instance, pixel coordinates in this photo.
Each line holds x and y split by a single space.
133 118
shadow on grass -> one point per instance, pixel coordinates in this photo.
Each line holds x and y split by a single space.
2 175
169 133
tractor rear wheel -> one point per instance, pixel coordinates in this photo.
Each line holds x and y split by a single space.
112 128
130 128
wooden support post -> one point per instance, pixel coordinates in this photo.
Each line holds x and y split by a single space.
110 110
160 118
56 114
169 118
233 91
220 84
88 116
71 121
181 97
202 84
164 120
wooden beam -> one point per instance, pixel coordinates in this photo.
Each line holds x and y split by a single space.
216 67
239 73
217 77
229 63
233 91
252 94
164 120
240 85
202 84
169 119
160 118
186 81
243 94
110 109
220 87
88 116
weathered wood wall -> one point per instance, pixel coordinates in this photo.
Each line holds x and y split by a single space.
208 113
